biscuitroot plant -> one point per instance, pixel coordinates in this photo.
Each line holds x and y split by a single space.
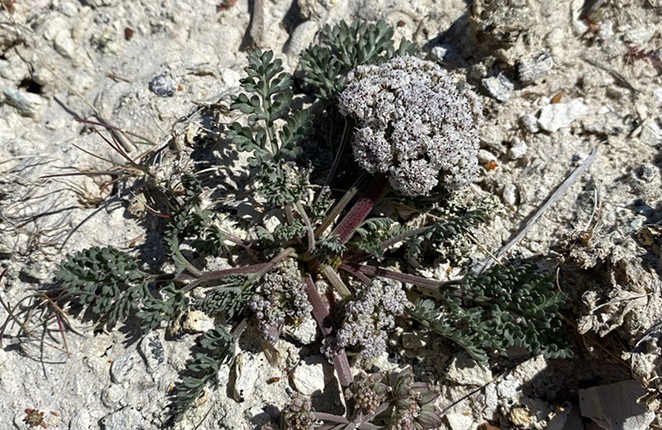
344 241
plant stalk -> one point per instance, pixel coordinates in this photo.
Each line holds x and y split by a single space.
324 322
361 209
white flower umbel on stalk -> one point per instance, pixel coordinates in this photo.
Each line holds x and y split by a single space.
414 124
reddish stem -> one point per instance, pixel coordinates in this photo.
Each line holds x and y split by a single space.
324 322
373 271
361 209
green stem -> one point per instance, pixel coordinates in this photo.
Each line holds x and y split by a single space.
335 280
335 211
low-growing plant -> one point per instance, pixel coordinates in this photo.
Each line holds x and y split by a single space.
347 247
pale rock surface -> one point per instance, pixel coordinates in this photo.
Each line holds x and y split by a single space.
309 376
614 406
465 371
555 116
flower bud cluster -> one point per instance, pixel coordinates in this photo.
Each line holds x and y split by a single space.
278 300
370 318
413 123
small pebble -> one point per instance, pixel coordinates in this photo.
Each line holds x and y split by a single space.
163 86
196 321
439 52
518 150
463 370
308 377
112 395
485 156
122 367
151 349
459 421
559 115
27 104
124 419
534 67
651 133
498 87
509 194
530 123
247 371
647 173
301 38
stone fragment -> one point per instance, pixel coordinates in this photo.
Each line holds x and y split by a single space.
258 30
81 421
112 395
651 133
151 349
27 104
509 194
498 87
459 421
518 150
508 389
463 370
122 367
65 45
301 38
485 156
246 368
230 78
559 115
615 406
530 123
439 53
163 86
124 419
304 333
491 400
308 376
197 322
534 67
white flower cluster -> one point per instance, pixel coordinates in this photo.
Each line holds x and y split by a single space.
279 299
371 317
413 124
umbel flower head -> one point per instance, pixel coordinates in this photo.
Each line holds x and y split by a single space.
413 123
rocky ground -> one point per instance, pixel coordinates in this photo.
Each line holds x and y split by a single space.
560 80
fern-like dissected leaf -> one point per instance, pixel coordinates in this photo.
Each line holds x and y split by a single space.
445 236
373 233
106 281
296 128
171 302
194 226
281 184
272 88
342 48
498 310
227 300
215 348
269 99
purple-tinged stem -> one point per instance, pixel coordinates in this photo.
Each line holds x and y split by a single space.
361 209
372 271
213 275
324 322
